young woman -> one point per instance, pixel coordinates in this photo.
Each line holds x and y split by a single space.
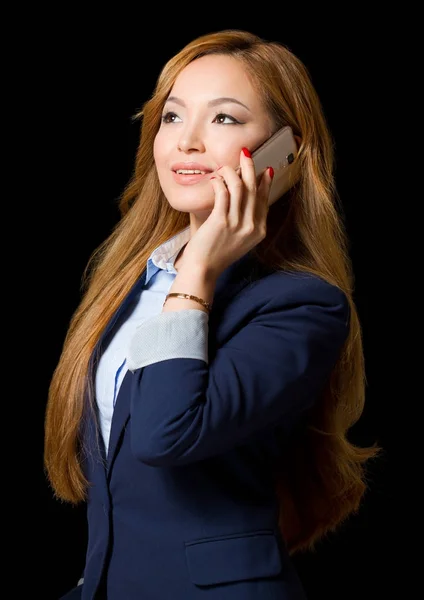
207 430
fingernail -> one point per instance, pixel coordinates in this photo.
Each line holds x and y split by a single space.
246 152
271 172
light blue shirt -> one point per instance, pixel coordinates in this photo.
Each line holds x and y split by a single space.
174 334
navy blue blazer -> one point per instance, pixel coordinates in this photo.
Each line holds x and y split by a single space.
184 505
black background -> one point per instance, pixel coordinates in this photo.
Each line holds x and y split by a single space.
85 77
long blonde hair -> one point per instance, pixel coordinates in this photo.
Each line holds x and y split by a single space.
326 480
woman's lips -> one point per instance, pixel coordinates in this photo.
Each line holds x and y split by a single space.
190 179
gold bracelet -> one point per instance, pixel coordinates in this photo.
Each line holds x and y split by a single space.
207 305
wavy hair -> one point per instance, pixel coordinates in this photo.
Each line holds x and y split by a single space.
326 480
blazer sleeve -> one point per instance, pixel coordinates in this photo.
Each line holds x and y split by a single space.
184 409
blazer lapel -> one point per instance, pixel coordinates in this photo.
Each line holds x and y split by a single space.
117 423
120 417
134 290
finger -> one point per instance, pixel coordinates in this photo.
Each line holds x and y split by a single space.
236 190
222 196
264 187
248 171
250 182
230 175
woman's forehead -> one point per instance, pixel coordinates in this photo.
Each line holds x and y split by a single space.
216 77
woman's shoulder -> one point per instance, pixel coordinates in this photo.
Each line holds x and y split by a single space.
298 286
304 299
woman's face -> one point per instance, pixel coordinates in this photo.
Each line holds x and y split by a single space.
212 112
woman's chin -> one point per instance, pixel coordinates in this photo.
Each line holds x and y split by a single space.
191 203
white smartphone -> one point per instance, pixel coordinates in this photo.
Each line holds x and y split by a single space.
279 152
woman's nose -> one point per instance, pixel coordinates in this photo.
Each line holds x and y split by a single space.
190 141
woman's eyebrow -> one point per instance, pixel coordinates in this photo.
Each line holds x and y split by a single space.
212 103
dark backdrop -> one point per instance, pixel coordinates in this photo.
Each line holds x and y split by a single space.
86 78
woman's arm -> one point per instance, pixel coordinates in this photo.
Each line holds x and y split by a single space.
184 409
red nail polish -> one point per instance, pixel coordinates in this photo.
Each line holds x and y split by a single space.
246 152
271 172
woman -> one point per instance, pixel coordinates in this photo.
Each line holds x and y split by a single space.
208 433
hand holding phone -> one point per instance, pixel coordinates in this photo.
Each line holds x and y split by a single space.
279 152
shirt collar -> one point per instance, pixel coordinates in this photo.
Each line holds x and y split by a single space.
163 257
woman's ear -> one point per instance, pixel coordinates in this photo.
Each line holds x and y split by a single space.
298 141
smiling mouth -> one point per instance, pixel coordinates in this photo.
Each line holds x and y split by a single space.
190 172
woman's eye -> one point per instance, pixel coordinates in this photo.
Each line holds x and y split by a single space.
170 117
224 119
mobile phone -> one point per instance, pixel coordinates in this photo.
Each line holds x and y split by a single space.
279 152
